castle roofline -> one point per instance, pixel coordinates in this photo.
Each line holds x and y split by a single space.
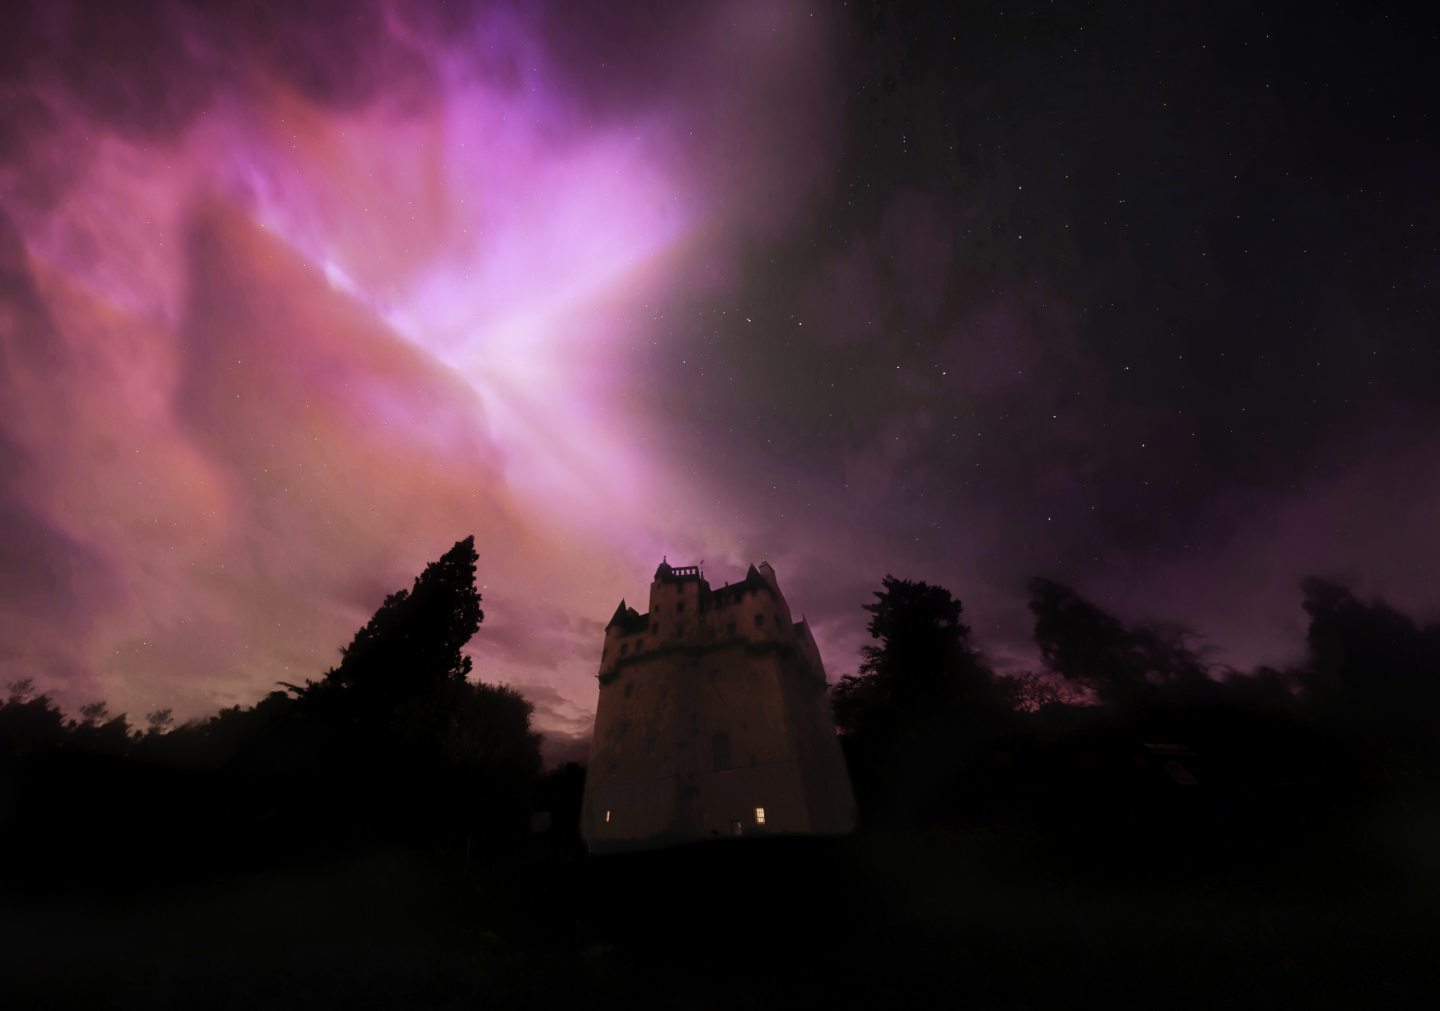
619 616
667 573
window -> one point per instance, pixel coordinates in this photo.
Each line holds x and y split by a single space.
649 745
629 690
607 817
759 621
759 816
624 648
680 630
720 744
737 827
730 628
680 607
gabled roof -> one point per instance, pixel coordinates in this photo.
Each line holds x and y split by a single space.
619 615
628 619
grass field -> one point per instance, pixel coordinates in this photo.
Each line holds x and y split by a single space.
958 919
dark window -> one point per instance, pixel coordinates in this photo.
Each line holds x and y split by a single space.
721 745
624 648
649 745
629 690
731 628
759 620
680 607
680 629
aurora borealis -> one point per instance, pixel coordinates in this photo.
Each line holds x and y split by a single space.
296 295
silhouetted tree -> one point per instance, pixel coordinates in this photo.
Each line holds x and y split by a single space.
29 722
921 705
99 732
1027 691
923 662
416 637
399 720
1120 664
1372 671
396 742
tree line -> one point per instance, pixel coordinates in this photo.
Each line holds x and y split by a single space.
1127 728
1131 728
394 744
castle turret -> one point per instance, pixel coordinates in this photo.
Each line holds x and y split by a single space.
768 574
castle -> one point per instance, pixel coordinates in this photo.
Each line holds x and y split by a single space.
713 720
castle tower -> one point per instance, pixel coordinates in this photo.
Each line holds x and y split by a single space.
713 720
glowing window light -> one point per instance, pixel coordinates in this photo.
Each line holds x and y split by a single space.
759 816
607 817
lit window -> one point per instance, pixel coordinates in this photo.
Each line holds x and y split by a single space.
759 816
607 817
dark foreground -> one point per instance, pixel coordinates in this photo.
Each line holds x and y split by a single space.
958 919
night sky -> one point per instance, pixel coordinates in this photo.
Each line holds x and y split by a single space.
295 295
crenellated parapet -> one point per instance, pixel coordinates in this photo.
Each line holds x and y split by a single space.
685 612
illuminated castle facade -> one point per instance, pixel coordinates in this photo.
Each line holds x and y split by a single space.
713 720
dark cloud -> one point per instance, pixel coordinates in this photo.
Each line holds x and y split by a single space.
48 579
1093 297
340 54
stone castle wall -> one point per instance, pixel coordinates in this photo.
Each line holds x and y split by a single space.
712 721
